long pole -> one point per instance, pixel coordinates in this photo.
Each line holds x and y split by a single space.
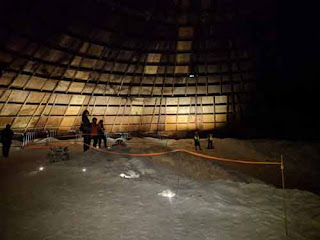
284 199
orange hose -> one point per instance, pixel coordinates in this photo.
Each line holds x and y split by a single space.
166 152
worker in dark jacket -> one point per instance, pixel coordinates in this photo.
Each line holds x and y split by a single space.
94 131
196 141
6 136
86 130
210 141
102 136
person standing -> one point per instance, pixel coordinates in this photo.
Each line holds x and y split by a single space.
94 132
6 136
102 136
197 141
210 141
86 130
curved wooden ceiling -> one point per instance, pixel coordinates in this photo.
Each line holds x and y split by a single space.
140 67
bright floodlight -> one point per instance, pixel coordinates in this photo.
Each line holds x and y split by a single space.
41 168
191 75
84 169
167 193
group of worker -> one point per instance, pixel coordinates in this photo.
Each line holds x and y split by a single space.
92 130
197 141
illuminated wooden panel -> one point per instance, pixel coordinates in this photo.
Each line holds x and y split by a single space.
208 126
172 101
183 58
67 121
62 86
183 109
88 63
20 81
191 90
181 69
76 87
221 99
108 119
153 57
47 110
146 90
171 119
89 87
52 122
62 98
39 110
184 100
36 97
70 73
221 117
28 109
192 126
33 122
72 110
98 111
146 119
182 127
207 100
221 109
76 61
82 75
183 119
49 85
192 119
18 96
202 90
150 69
4 121
35 83
20 122
84 47
207 109
134 120
184 45
170 127
208 118
133 128
153 127
58 110
11 109
172 110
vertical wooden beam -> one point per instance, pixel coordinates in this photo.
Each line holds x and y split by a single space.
214 112
153 113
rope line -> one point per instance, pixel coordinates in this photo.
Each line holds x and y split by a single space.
34 146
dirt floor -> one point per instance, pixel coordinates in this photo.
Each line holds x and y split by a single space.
85 197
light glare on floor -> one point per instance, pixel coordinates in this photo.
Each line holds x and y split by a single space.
167 193
84 169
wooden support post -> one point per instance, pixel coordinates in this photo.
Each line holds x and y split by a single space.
284 197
